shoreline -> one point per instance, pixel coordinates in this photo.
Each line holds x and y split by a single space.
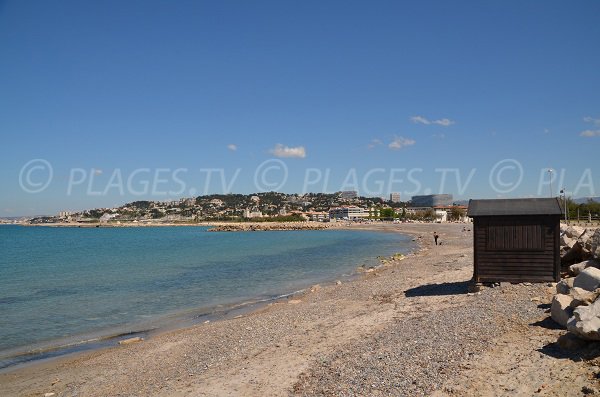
109 336
407 328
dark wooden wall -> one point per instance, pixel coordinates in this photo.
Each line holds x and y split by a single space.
516 248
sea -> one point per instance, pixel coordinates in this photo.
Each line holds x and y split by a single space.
64 290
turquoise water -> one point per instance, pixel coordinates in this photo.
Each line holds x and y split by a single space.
60 283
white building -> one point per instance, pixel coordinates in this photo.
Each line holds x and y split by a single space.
248 213
107 217
441 215
317 216
395 197
351 212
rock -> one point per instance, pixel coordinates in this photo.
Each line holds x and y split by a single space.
294 301
130 340
579 267
594 242
338 282
49 394
566 241
582 297
570 342
315 288
565 285
585 322
573 255
561 309
585 237
573 231
588 279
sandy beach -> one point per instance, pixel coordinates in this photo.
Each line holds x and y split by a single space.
408 328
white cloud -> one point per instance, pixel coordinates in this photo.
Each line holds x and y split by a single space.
284 151
400 142
97 171
444 122
592 120
590 133
419 119
423 120
374 143
232 147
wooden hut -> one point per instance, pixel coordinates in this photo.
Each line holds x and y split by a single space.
516 240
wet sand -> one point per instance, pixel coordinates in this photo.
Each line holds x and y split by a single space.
407 328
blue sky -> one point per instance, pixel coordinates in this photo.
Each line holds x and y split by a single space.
116 96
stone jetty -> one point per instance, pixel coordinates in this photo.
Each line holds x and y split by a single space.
269 226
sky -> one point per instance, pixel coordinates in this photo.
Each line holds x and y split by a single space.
103 103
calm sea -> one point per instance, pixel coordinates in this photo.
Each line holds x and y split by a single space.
64 285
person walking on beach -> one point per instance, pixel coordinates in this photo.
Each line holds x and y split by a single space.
435 237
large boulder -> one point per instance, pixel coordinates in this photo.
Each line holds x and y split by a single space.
572 231
566 241
565 285
589 279
574 255
581 266
561 309
585 322
586 240
583 297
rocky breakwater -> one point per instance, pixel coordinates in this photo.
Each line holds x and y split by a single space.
269 226
576 305
578 244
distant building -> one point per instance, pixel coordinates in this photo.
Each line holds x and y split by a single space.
351 213
441 215
107 217
443 211
395 197
416 210
317 216
248 213
431 200
349 194
64 214
217 202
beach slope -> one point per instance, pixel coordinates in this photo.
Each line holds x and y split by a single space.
407 328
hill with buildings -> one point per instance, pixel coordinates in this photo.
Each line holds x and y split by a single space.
267 206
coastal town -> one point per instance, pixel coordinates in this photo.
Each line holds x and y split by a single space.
268 207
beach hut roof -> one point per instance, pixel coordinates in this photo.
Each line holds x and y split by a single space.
503 207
